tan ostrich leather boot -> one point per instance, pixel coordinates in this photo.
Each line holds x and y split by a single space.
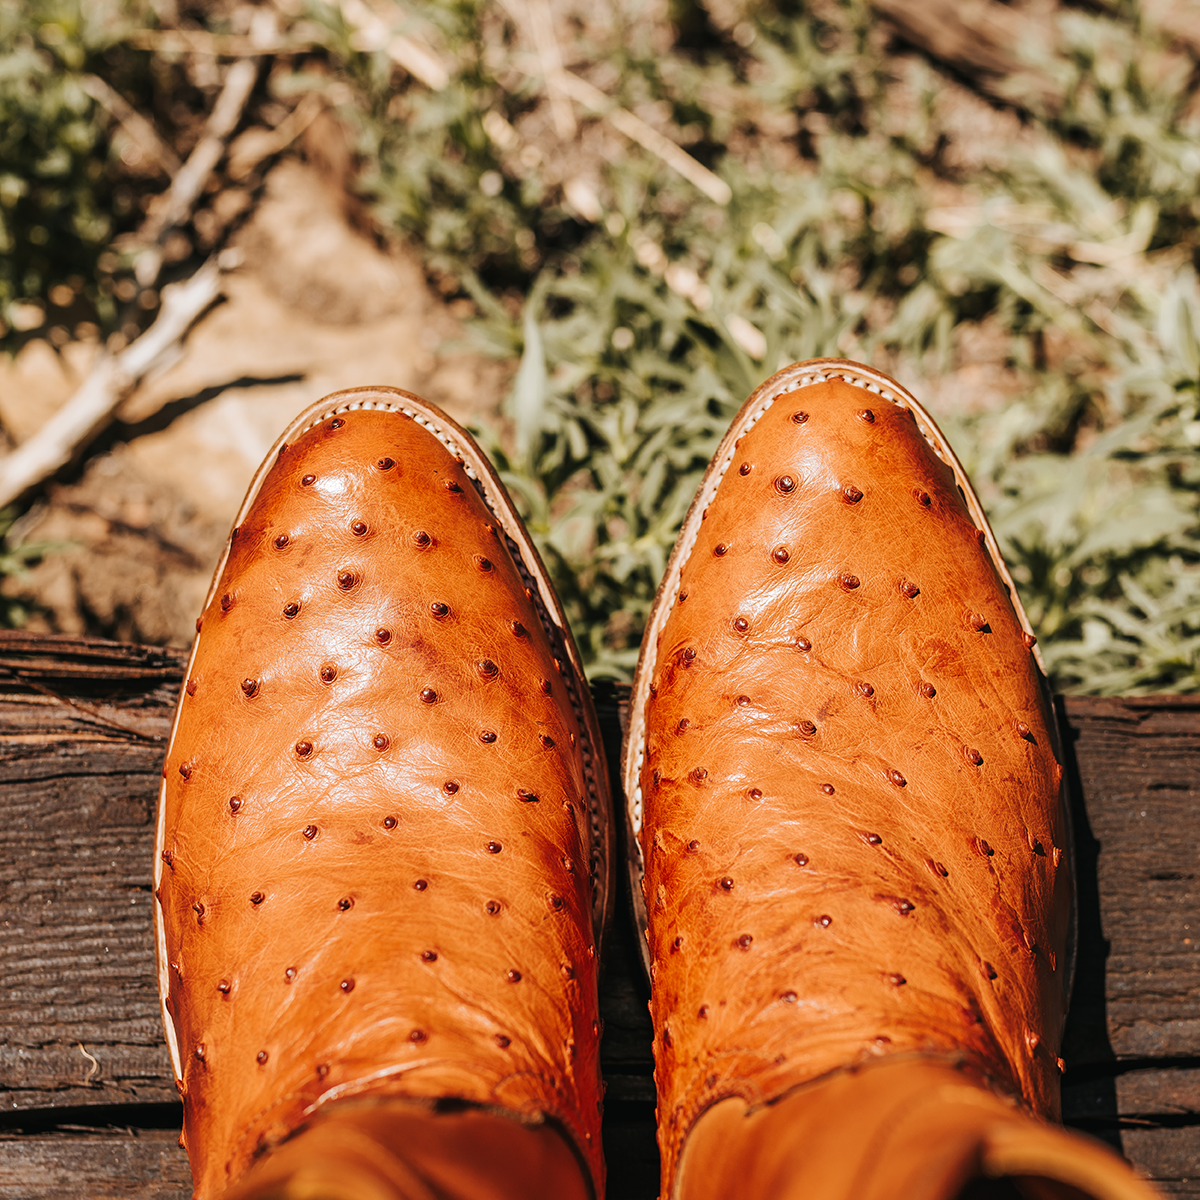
845 794
383 839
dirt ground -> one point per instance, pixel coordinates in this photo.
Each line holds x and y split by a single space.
314 307
138 526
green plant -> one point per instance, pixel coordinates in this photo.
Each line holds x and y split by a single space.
55 195
16 557
639 335
879 210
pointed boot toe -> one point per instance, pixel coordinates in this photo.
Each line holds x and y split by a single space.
383 837
842 769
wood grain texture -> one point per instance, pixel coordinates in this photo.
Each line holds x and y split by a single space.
150 1165
1137 989
1170 1157
65 1166
82 729
1144 1093
82 725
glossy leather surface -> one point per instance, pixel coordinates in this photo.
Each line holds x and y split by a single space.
375 829
853 838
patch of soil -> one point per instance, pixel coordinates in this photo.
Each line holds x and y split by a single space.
314 307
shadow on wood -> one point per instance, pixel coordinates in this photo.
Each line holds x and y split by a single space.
87 1102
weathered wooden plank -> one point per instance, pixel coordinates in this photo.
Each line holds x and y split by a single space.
76 948
74 1161
1145 1093
1137 991
79 771
75 863
1170 1157
150 1165
59 656
81 737
626 1057
147 1164
100 1163
631 1151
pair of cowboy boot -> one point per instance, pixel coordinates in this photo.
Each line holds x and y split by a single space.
386 847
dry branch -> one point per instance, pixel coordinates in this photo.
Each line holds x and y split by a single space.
541 24
144 135
560 81
178 42
176 205
113 377
257 144
372 32
987 41
414 56
634 128
418 61
91 408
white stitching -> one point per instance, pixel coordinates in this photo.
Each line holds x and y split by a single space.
384 406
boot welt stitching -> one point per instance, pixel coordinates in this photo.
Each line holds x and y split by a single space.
688 544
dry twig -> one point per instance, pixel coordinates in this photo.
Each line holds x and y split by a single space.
418 61
372 32
200 41
176 205
91 408
257 143
634 128
113 377
541 24
143 134
562 82
985 40
94 1069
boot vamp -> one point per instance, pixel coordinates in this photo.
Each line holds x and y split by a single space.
853 836
376 830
